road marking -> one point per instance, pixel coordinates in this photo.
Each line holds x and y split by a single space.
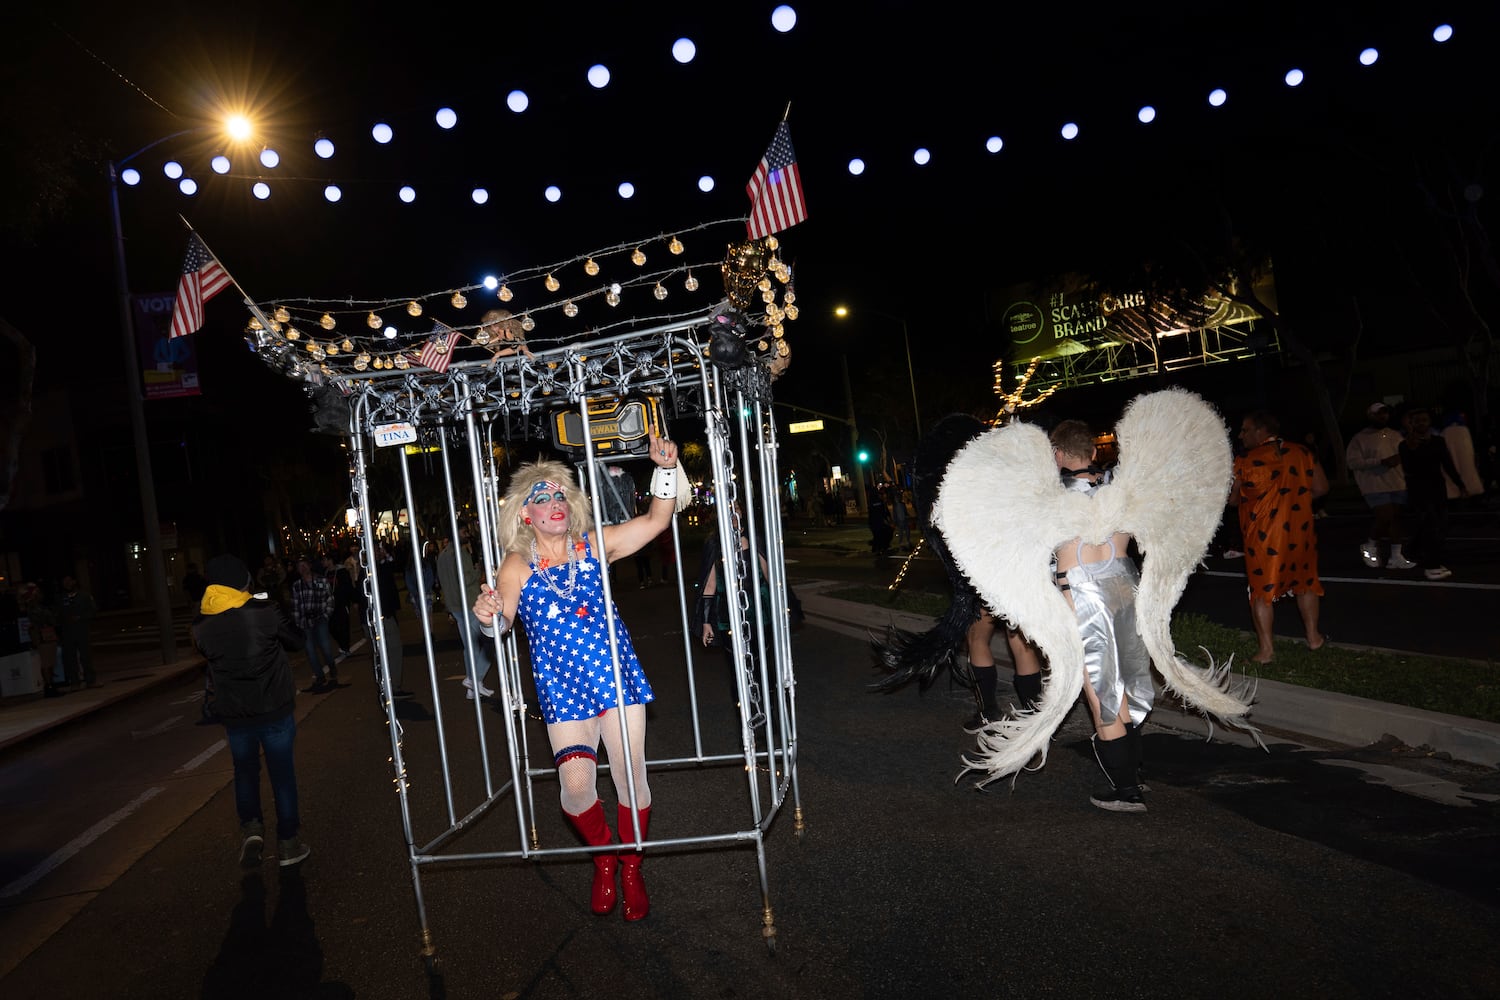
202 758
156 730
77 844
1382 582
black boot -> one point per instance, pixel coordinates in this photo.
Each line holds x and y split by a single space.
1028 690
1136 744
985 709
1124 791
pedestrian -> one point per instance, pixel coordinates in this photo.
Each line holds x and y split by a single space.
1374 460
900 518
390 625
552 580
75 613
1275 482
244 641
312 602
1425 461
42 625
1099 583
1469 485
879 519
340 626
460 579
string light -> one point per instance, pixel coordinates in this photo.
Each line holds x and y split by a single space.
458 300
326 322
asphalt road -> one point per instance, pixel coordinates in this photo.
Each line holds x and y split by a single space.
1302 872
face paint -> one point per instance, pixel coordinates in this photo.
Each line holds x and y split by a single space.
545 492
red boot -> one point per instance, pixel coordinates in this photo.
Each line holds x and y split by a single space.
594 831
637 903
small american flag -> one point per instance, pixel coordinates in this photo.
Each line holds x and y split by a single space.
775 190
437 352
203 277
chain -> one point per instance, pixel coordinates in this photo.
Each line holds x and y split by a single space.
728 503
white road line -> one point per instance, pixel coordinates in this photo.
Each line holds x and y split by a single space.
77 844
1447 584
202 758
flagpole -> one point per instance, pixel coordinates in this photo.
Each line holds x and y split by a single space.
156 570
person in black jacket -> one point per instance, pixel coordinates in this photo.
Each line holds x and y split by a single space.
245 641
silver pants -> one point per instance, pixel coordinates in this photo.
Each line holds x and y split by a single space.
1114 654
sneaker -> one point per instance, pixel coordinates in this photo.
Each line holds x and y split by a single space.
1370 553
292 852
252 846
1233 554
1398 561
1438 573
1127 799
318 687
484 692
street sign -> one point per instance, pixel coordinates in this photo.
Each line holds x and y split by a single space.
804 426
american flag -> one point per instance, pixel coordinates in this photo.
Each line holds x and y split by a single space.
437 352
776 189
203 277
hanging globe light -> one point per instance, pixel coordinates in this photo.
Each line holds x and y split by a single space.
362 362
326 322
281 315
590 267
458 300
504 295
414 308
691 284
292 333
348 344
527 323
551 283
659 292
675 246
372 321
637 258
612 296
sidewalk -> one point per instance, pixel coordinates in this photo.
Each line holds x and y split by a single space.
1317 716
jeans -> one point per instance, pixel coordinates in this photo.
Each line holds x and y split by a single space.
319 641
245 744
478 651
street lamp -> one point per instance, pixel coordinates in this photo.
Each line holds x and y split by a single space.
156 567
843 312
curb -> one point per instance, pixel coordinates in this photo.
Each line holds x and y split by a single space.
1328 716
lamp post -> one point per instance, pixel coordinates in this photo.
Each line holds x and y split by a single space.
156 569
843 312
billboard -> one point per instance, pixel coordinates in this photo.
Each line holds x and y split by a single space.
169 366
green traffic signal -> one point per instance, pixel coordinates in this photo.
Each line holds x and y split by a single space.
864 456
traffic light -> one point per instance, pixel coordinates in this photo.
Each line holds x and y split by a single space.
863 456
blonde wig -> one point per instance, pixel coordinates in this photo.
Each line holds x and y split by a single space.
515 534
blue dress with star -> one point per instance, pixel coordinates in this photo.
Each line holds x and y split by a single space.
569 643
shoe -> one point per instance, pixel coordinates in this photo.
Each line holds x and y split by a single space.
976 722
1438 573
1127 799
484 692
1233 554
253 844
343 655
1398 561
292 852
317 687
1370 553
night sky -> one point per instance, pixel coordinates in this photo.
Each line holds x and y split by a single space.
875 80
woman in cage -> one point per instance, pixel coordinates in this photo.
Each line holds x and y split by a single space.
552 580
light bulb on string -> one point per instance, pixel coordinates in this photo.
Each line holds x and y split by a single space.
527 323
326 322
637 258
348 344
772 243
332 348
254 325
659 292
570 309
552 284
691 284
612 297
292 333
789 297
372 321
414 308
481 336
281 315
590 267
791 312
764 284
401 362
675 246
458 300
768 296
362 362
505 294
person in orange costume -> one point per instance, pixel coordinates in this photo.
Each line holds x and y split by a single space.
1275 483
